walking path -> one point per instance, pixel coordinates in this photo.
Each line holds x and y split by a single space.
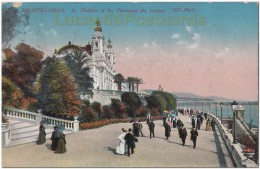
96 148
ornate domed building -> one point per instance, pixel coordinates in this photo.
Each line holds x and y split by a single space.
102 59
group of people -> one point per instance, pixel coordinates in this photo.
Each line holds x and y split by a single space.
58 144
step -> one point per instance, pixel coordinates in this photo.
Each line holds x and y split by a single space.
33 133
23 128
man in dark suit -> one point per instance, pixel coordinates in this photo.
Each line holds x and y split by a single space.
182 134
167 130
151 128
193 136
130 141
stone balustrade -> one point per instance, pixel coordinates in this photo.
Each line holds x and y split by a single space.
235 149
38 118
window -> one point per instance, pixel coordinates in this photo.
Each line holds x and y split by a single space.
96 44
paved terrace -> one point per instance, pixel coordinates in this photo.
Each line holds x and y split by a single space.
96 148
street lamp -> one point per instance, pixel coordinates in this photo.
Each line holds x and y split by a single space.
233 106
221 106
216 104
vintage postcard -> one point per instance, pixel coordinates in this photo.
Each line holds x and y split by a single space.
130 84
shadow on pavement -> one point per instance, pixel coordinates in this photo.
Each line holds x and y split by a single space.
48 146
220 153
111 149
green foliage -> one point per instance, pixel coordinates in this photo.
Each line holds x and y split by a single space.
107 113
162 102
86 103
118 108
132 101
57 93
97 107
11 93
167 98
119 79
76 62
152 102
88 115
27 65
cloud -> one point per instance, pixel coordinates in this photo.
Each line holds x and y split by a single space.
222 52
181 42
175 36
196 36
41 24
188 29
17 4
54 32
51 32
146 45
193 45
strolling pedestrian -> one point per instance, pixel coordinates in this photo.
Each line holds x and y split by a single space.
151 128
42 135
198 123
208 125
174 122
135 129
179 123
182 134
61 147
54 138
130 141
140 128
122 143
193 136
193 122
167 130
213 125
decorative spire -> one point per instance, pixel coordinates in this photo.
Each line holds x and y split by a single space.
109 45
98 27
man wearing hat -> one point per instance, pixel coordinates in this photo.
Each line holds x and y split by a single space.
54 138
182 134
130 140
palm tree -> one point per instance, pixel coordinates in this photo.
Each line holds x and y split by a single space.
119 79
130 81
138 81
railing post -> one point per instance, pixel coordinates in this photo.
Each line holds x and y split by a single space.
76 126
38 119
6 136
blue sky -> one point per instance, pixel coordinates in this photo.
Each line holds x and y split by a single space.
224 51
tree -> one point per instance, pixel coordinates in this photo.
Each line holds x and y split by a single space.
132 101
77 62
166 98
11 93
27 65
130 81
119 79
138 81
58 94
97 107
118 108
10 20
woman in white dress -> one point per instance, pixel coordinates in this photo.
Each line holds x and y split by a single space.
122 144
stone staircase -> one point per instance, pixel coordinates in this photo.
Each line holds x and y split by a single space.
27 132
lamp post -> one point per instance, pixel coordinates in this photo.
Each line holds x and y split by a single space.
233 105
221 106
216 104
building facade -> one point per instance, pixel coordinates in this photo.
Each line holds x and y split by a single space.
102 60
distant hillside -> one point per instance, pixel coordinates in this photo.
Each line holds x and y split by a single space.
190 96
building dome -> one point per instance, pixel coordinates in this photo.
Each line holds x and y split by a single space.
98 27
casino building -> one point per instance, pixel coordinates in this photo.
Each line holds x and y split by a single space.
102 59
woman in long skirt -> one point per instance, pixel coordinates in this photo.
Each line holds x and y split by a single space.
61 148
42 135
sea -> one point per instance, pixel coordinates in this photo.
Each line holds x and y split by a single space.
251 113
